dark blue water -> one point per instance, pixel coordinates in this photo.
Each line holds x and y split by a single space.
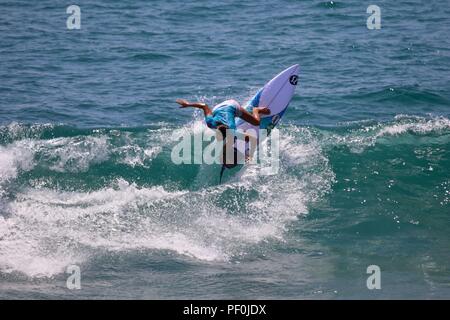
86 132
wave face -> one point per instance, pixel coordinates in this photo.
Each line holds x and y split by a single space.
87 123
117 190
71 196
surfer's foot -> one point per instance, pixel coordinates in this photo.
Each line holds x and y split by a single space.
263 110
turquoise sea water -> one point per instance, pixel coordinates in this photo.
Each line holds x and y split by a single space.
86 123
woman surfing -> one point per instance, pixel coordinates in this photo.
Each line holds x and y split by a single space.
222 118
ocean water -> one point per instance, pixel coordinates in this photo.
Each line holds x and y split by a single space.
86 131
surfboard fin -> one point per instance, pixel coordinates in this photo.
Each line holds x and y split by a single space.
229 166
221 173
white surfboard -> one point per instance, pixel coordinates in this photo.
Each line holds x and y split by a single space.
275 95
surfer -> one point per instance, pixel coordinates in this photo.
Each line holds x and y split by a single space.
222 117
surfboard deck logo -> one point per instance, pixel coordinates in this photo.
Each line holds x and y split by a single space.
293 80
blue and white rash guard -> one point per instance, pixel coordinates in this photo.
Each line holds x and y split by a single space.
224 113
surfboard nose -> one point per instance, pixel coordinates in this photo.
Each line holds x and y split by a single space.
291 70
295 66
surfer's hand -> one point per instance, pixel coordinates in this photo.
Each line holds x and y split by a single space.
183 103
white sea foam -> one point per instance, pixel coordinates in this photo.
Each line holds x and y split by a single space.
75 154
16 131
78 153
46 229
357 140
135 155
417 125
14 157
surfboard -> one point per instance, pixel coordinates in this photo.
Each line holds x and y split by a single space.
275 95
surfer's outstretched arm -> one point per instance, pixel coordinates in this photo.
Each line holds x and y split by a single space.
200 105
253 118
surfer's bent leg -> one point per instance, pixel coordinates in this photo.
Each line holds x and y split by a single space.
252 118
